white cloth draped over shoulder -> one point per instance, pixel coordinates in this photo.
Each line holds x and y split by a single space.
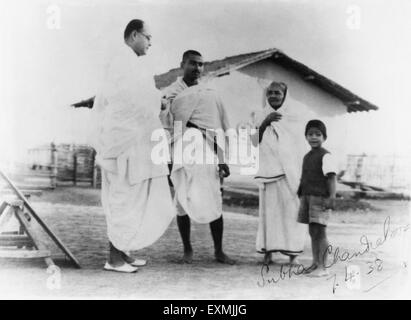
135 194
197 183
169 94
278 149
278 177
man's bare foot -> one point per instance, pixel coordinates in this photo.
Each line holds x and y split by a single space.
311 268
223 258
319 272
188 257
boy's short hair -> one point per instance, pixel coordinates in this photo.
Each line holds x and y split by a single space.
318 124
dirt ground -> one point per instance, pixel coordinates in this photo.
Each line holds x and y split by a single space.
382 271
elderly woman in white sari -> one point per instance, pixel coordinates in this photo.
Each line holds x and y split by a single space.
135 194
278 229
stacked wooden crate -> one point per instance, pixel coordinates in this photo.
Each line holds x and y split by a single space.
65 164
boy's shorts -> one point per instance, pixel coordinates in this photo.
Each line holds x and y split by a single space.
312 210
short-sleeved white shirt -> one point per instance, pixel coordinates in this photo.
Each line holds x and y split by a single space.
329 164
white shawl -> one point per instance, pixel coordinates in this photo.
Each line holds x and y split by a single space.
278 150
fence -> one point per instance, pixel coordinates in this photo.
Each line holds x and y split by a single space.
386 172
69 163
65 163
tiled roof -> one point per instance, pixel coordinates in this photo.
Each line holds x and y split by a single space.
223 67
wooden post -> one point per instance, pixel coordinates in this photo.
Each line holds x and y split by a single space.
74 168
54 168
359 169
392 169
94 173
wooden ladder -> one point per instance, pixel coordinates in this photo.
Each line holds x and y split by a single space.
22 243
26 242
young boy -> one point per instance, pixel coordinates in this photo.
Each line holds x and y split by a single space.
317 193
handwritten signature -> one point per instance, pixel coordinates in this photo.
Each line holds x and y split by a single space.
286 271
369 246
352 277
338 255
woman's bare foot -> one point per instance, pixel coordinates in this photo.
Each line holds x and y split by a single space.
223 258
294 261
268 259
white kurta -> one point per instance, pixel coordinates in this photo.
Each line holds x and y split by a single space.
196 181
135 194
278 175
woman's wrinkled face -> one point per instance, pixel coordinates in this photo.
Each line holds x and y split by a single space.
275 96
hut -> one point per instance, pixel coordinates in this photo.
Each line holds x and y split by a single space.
307 86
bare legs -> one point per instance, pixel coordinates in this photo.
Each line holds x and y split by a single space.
216 228
268 258
184 226
319 244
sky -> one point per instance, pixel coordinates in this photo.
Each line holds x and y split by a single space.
52 53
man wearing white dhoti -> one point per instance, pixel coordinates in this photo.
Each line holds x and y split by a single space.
199 109
278 175
135 194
